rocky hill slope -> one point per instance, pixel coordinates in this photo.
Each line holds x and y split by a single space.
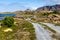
49 8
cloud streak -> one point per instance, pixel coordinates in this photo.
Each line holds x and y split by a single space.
13 5
53 1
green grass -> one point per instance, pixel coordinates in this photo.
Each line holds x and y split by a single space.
27 16
28 27
23 26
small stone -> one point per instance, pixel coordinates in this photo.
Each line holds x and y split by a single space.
7 30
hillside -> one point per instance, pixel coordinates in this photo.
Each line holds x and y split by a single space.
49 8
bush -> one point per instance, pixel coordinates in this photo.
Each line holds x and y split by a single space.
8 21
55 12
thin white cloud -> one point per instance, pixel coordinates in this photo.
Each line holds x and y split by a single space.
51 2
56 1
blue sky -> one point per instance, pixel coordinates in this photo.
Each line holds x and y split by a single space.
15 5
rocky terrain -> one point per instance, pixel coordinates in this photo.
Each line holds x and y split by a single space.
49 8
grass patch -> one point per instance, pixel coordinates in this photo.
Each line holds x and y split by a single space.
26 26
57 24
23 30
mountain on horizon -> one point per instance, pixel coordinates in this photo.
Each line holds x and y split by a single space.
49 8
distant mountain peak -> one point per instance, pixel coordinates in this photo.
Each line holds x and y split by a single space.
49 8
